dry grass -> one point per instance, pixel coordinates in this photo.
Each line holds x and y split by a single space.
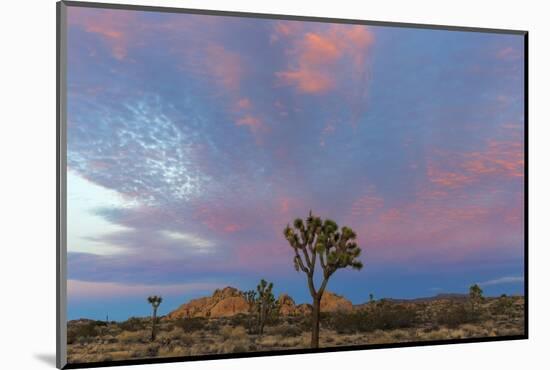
110 342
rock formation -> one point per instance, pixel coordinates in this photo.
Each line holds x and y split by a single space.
331 302
223 303
230 301
286 305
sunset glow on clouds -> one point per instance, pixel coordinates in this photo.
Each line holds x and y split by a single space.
193 140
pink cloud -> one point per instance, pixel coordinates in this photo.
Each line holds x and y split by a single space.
456 213
504 158
244 103
253 123
367 204
509 53
115 27
307 81
446 178
314 56
224 66
285 205
220 219
497 160
438 230
284 29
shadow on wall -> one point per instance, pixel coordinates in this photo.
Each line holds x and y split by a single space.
46 358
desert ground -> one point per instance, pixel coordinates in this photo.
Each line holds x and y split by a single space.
220 324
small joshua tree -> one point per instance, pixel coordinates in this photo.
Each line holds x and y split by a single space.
266 303
250 297
476 296
155 301
336 249
262 303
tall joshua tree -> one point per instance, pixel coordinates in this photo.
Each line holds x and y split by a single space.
155 301
314 240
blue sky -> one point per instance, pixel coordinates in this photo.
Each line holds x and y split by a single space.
193 140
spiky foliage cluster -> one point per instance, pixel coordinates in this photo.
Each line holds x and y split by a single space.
262 304
335 249
155 301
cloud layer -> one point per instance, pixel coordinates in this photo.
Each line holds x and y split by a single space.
215 132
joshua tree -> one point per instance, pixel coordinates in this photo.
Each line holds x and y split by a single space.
371 298
476 295
250 296
155 301
317 239
266 303
261 302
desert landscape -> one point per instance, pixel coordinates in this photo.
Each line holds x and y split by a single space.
226 322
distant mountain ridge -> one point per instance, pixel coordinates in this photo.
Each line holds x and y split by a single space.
447 296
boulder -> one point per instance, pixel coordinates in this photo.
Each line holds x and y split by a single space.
286 305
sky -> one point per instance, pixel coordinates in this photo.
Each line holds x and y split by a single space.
193 140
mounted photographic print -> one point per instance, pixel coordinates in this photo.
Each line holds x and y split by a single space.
236 184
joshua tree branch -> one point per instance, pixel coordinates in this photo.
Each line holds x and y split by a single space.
323 286
322 260
308 260
301 263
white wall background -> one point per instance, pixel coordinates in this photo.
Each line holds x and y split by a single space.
27 205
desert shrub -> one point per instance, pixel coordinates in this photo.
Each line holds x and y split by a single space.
286 330
503 305
107 358
132 324
305 322
239 320
213 326
191 324
239 348
345 323
168 327
134 336
386 316
187 341
84 331
228 332
152 350
455 315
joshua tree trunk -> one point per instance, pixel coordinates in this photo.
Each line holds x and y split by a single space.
262 328
154 332
315 321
